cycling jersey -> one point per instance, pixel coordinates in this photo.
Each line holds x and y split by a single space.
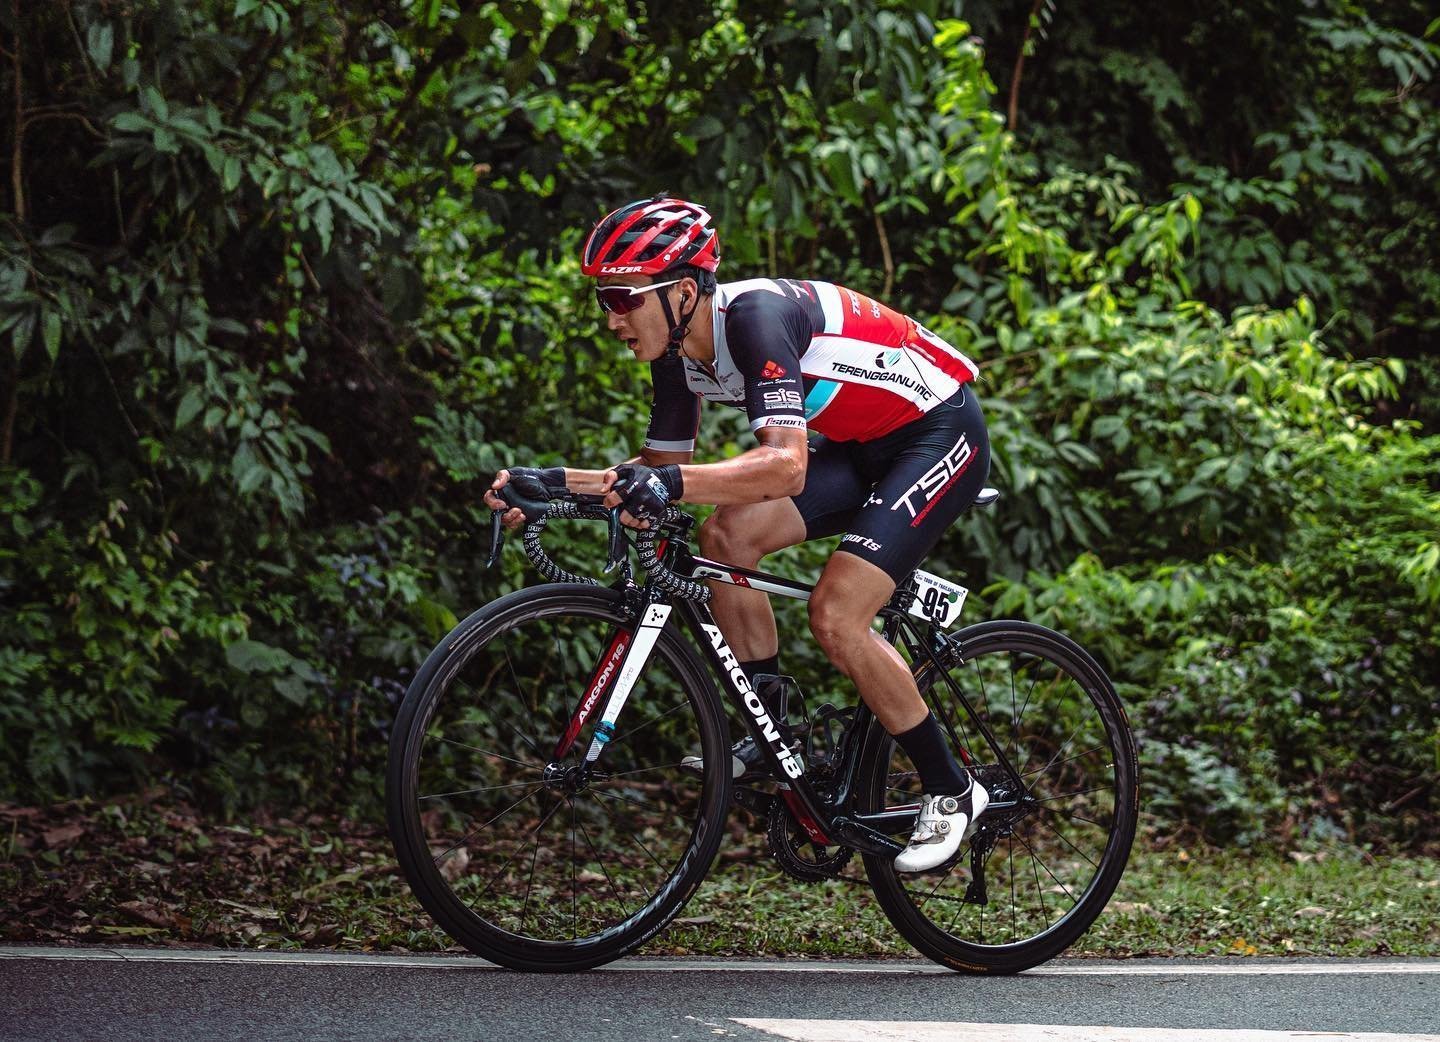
806 354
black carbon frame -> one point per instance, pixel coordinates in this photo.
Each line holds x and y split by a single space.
867 832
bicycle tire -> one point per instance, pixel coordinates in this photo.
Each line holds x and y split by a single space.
479 725
1082 799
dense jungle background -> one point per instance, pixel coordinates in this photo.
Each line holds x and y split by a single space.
283 283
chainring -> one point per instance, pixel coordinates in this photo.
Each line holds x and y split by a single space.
797 855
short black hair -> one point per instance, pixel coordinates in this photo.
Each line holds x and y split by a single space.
704 279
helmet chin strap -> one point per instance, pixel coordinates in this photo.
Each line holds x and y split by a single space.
678 329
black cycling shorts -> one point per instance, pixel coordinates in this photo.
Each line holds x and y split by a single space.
895 496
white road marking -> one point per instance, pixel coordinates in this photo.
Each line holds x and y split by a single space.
1059 968
934 1031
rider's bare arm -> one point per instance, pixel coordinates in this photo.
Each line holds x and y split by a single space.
774 469
592 482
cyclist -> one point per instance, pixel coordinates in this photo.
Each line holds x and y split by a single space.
903 452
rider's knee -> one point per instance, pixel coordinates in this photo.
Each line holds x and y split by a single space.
833 624
726 537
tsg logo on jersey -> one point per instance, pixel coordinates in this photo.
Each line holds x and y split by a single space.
936 481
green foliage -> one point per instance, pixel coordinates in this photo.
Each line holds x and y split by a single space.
282 284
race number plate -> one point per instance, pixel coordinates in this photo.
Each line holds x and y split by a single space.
937 600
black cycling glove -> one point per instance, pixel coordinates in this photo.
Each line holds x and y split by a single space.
530 488
645 491
552 478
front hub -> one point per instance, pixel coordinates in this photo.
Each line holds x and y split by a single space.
571 779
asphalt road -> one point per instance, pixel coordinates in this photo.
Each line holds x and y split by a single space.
119 994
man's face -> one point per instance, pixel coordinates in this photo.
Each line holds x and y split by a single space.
644 330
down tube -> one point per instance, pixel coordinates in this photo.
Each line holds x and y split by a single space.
771 737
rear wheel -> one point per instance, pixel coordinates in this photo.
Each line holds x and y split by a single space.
517 849
1041 728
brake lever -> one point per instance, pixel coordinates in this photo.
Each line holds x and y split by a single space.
615 543
497 538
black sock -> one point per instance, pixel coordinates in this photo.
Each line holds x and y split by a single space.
928 750
762 665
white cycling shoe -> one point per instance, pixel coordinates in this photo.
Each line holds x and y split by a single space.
944 823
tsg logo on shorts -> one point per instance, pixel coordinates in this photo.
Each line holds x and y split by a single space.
936 481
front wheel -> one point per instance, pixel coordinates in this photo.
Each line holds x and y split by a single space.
1035 720
518 848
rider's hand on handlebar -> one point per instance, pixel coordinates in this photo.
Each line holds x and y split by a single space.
531 486
643 491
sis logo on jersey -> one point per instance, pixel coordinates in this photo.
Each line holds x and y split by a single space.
772 371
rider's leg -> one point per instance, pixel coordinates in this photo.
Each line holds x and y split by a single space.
926 476
850 592
741 535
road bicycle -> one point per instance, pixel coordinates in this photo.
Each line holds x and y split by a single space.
548 810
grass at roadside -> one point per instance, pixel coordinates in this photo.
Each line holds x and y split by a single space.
147 872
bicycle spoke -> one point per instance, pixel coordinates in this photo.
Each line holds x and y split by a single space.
627 799
530 884
1068 759
481 828
604 869
629 834
1076 817
534 834
1010 860
527 740
486 752
471 792
519 687
1039 892
1061 751
624 735
645 770
1015 722
1058 881
1066 840
1068 795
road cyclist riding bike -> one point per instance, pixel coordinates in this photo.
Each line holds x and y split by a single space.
903 453
561 769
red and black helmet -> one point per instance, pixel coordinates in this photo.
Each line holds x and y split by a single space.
650 236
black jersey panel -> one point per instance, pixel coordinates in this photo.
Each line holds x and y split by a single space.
766 334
